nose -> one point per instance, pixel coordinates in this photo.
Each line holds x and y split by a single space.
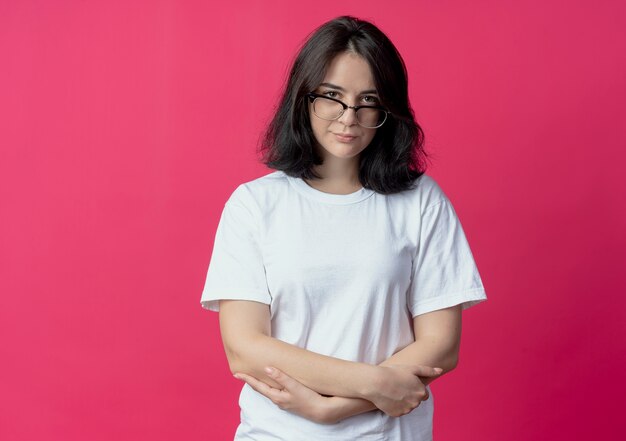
348 117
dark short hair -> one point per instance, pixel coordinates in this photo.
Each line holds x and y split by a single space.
395 157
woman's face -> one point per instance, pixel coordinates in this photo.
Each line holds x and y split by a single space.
349 79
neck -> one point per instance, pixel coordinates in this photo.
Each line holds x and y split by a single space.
338 175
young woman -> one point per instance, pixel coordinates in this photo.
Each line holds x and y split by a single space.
340 277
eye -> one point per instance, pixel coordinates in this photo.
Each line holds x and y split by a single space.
330 94
371 99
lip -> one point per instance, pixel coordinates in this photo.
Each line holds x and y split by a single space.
345 137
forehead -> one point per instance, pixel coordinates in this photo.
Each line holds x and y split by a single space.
351 72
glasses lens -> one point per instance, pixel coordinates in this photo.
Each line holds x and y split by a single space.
327 109
371 118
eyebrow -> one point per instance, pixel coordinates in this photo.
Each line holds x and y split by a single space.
332 86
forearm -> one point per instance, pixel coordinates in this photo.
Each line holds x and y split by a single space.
425 351
245 329
340 408
323 374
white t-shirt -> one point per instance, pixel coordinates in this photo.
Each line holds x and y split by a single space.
343 276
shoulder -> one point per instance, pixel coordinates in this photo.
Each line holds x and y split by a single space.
424 192
255 194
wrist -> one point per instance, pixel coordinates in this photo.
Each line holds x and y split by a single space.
372 376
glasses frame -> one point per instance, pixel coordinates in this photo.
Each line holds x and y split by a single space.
313 96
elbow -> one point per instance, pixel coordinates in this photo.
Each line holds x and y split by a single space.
452 362
236 360
249 356
448 362
240 355
234 364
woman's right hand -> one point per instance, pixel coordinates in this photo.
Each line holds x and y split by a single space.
397 390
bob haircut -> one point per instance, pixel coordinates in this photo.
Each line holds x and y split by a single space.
395 157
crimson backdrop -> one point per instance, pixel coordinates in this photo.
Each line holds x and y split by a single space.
124 125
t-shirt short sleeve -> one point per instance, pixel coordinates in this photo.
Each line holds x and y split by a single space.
444 273
236 270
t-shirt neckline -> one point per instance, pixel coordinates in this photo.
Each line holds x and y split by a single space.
331 198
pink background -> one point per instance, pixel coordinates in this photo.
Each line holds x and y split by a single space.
125 125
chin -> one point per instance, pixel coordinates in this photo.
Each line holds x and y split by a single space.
346 156
339 150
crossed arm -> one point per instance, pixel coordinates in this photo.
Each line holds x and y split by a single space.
396 386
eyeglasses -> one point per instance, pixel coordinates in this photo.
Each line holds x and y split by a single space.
330 109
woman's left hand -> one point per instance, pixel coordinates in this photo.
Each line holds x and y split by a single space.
295 397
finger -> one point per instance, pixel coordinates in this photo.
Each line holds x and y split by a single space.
282 378
260 387
426 371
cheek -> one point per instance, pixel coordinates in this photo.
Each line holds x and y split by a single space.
319 127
